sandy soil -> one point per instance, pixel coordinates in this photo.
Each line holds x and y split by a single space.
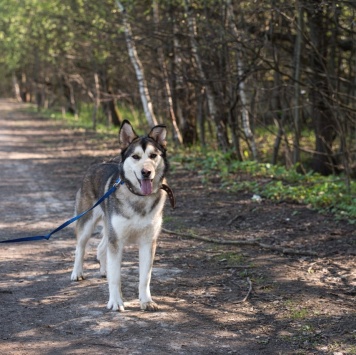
299 304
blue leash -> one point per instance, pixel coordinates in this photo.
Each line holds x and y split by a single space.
65 224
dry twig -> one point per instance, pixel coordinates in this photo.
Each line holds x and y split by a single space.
252 242
233 220
249 291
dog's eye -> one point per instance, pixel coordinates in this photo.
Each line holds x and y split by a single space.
136 157
153 156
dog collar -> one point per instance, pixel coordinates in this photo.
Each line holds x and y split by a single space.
170 194
164 187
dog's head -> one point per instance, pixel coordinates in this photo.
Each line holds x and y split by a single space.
143 158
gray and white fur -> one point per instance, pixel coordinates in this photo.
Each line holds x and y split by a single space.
133 214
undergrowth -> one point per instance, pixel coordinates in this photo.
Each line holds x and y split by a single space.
323 193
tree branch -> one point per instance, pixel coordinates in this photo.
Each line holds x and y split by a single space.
252 242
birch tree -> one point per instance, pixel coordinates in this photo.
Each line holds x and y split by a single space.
136 62
96 99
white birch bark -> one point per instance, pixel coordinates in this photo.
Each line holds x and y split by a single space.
96 99
241 85
135 60
16 87
179 82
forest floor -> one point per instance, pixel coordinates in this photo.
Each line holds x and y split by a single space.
213 298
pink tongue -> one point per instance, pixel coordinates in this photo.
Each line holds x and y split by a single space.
146 187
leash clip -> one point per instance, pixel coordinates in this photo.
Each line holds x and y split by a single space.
118 182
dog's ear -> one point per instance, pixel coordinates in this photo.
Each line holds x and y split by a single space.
126 134
159 133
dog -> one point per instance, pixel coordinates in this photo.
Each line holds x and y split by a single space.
132 214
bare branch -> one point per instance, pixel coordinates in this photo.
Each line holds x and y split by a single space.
252 242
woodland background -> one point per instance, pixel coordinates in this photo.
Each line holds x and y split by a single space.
271 81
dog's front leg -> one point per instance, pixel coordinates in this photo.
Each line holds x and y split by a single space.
146 256
114 258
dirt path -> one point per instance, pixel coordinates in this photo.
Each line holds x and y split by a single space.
298 304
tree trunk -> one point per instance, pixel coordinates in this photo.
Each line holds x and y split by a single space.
241 84
177 134
181 91
135 60
200 119
111 110
297 70
96 99
324 125
107 101
213 110
16 88
25 92
68 93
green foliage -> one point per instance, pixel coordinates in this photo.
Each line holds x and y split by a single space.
328 194
53 50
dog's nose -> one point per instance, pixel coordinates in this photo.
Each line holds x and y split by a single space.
145 173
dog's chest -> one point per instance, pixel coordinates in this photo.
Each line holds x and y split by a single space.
130 214
134 207
131 227
133 218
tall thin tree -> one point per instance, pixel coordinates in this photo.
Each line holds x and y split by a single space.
213 109
241 83
297 75
167 85
136 62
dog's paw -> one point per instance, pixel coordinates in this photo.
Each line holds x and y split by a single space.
77 276
115 306
149 306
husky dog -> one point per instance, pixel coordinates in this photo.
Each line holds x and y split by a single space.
132 214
